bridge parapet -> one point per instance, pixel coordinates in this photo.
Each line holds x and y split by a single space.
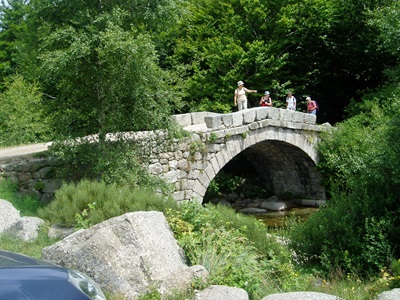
215 121
194 118
249 116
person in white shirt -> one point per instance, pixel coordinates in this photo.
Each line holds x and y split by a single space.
290 101
240 98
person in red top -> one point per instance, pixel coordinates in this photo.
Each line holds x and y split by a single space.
266 100
311 106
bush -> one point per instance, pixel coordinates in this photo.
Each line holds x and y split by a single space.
359 230
114 162
28 205
89 202
234 248
22 116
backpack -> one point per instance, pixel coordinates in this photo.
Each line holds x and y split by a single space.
316 104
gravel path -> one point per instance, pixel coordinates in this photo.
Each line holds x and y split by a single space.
23 150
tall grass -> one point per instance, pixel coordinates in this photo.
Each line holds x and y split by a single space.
28 205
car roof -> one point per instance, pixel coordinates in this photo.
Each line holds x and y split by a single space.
11 259
27 278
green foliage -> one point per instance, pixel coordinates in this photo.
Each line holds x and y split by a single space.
28 205
88 203
197 146
234 248
223 183
22 116
358 231
82 219
115 162
12 24
212 137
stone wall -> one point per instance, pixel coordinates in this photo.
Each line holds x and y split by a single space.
34 174
279 143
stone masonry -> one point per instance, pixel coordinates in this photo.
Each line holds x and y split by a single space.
279 143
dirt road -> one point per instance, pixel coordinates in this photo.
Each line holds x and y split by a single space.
23 150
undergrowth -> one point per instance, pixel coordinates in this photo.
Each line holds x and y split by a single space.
88 203
28 205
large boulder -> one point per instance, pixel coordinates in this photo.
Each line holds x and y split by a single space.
8 215
26 228
126 254
220 292
390 295
11 223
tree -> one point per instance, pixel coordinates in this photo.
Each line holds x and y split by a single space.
98 67
312 46
12 25
22 118
100 71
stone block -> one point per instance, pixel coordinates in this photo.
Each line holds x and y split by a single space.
274 113
249 116
213 122
24 176
262 113
286 115
237 118
254 126
213 148
155 169
39 163
227 120
183 164
178 196
183 119
172 176
310 119
263 123
199 189
52 185
298 117
204 180
43 173
221 160
198 117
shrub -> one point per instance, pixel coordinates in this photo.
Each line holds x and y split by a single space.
22 116
359 230
89 202
234 248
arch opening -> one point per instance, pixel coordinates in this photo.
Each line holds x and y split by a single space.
265 169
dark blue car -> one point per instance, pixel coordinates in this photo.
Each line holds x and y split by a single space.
23 278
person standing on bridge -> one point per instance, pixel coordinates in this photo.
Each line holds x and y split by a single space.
266 100
311 106
240 98
290 101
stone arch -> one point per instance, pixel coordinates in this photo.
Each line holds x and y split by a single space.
295 171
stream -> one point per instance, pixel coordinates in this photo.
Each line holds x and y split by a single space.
279 218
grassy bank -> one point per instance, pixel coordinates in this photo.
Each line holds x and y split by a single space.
237 250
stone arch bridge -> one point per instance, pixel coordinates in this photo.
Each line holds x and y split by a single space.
279 143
